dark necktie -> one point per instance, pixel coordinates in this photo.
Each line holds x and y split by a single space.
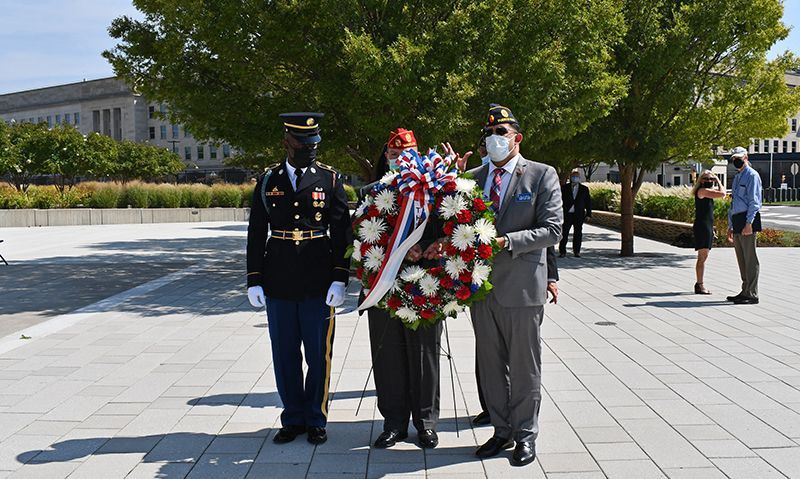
299 173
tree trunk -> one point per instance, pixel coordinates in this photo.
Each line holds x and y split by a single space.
627 174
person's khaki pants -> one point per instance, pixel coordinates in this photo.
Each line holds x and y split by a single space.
745 247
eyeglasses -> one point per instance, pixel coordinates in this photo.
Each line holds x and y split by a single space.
499 130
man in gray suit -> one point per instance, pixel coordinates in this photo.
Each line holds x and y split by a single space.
527 198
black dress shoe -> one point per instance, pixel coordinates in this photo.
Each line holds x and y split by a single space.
746 300
389 438
524 453
428 439
482 419
734 298
577 255
288 434
493 446
562 255
317 435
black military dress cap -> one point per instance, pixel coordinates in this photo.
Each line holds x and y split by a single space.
498 115
303 125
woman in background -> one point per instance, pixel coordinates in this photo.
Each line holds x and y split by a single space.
706 188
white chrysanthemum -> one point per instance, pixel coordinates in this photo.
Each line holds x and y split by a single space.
385 201
455 266
362 208
463 237
412 274
388 178
485 231
357 250
407 314
429 285
465 185
480 272
452 308
395 287
374 258
451 205
371 229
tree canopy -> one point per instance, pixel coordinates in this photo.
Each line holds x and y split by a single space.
227 68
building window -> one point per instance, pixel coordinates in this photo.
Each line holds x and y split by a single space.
794 147
58 119
794 124
77 117
175 131
96 121
187 153
163 132
49 121
30 120
226 151
163 109
212 152
200 153
185 132
785 146
766 146
774 146
39 120
67 118
152 133
756 146
151 112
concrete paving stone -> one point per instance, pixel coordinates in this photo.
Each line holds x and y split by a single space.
567 462
586 414
640 469
695 473
107 465
231 445
50 470
723 448
299 451
663 444
124 409
609 434
49 428
19 449
150 470
621 451
632 412
703 432
221 466
351 463
747 468
278 471
11 422
464 463
179 447
744 426
785 460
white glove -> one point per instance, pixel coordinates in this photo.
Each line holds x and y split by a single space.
335 294
256 296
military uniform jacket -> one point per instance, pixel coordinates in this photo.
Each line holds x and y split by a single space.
297 269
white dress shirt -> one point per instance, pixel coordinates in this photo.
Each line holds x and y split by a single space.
292 172
510 167
574 195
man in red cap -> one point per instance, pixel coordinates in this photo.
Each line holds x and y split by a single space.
405 362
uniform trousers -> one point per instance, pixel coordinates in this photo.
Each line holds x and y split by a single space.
509 351
309 322
406 368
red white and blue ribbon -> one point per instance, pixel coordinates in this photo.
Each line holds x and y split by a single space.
421 177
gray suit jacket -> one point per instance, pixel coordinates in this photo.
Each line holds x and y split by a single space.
531 216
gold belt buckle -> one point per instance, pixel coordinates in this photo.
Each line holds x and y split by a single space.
297 235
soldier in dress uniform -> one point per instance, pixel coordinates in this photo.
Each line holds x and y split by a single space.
296 266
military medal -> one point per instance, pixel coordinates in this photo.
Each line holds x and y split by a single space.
318 216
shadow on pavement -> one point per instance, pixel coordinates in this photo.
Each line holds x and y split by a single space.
679 304
606 258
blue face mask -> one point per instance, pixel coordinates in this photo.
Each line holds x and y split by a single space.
575 179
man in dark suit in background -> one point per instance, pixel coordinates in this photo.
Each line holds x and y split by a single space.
577 207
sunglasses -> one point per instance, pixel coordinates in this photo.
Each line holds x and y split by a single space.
500 130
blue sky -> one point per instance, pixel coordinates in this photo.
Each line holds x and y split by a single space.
50 42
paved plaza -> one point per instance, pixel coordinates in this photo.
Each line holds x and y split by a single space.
144 360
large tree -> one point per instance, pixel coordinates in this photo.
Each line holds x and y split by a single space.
699 77
228 67
24 154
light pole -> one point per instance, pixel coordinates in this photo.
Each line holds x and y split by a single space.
770 170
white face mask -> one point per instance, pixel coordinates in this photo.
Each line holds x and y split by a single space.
498 148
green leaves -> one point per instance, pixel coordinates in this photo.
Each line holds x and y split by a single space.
227 68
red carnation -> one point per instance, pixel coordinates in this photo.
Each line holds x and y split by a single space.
391 219
448 228
384 239
449 187
371 279
359 272
451 250
446 282
435 300
485 251
436 271
468 255
408 288
394 303
373 212
463 293
464 216
465 277
479 204
419 301
427 314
